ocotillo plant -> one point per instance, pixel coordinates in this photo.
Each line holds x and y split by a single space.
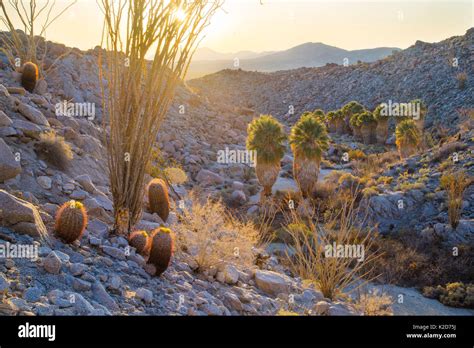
28 46
137 92
308 141
266 137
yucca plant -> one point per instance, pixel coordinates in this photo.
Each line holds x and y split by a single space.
266 137
420 123
339 120
355 125
349 110
407 138
381 130
367 127
308 139
319 114
331 121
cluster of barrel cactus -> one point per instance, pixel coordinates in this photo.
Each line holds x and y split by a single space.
156 247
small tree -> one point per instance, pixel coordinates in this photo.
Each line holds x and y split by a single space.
136 92
381 130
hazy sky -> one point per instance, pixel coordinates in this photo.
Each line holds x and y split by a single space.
281 24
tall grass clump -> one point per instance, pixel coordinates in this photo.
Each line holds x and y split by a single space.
310 260
455 183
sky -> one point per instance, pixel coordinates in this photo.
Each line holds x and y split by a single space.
282 24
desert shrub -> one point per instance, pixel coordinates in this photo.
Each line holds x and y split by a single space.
211 236
357 155
462 79
369 192
448 149
375 304
310 259
54 150
455 294
455 184
385 180
408 260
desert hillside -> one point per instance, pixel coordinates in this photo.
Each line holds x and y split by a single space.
238 265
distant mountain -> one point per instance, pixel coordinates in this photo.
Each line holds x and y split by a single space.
306 55
209 54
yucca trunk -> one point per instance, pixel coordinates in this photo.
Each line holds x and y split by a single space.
357 133
406 150
332 126
381 132
267 174
368 133
306 172
420 124
339 126
347 125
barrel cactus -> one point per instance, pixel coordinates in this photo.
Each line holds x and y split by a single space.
158 198
407 138
71 221
308 141
266 137
141 242
161 249
29 76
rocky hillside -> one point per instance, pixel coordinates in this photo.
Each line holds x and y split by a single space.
422 71
101 274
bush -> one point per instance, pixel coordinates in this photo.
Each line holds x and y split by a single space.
455 294
54 150
212 236
375 304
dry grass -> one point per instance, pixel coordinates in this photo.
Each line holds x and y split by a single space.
455 184
212 236
374 303
53 149
332 274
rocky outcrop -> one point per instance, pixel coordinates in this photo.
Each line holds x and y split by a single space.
9 166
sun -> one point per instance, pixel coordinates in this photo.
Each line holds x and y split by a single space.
180 15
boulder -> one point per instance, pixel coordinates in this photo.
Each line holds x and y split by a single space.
5 121
9 166
21 216
272 283
206 177
32 114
